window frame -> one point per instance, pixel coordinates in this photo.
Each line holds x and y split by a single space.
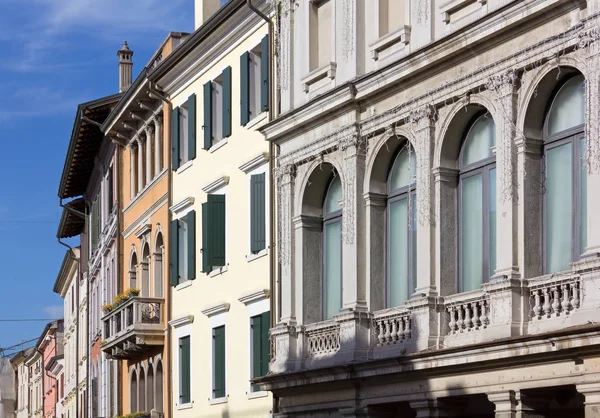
183 134
406 192
216 102
263 168
482 167
217 320
572 135
255 308
328 219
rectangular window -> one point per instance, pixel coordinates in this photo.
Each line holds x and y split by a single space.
183 134
254 84
213 233
110 193
259 326
184 370
183 248
332 268
218 362
257 213
254 81
320 34
217 114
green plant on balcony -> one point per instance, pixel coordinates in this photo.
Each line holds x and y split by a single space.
102 342
135 415
109 307
132 292
120 298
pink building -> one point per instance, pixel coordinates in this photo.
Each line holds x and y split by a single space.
50 346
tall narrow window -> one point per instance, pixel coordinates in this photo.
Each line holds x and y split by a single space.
402 227
320 38
184 371
257 213
477 204
259 326
332 249
218 362
565 199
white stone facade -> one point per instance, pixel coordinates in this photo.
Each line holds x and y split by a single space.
525 341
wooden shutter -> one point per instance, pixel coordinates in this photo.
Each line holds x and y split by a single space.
174 252
191 244
245 88
184 370
174 139
217 229
265 344
208 115
191 103
227 102
94 397
206 257
257 213
256 328
264 73
219 362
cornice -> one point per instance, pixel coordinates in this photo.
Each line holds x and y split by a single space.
255 297
215 185
254 162
215 310
182 205
184 320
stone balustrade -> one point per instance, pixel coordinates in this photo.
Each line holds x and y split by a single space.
392 326
472 314
554 296
322 338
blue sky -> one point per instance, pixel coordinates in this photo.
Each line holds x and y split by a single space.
54 55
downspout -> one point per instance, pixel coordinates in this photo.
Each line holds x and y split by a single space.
154 91
272 259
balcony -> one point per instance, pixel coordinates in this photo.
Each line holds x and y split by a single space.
133 327
500 310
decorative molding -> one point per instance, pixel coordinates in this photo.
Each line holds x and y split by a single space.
454 6
215 310
185 320
146 215
326 71
255 162
145 190
255 297
215 185
401 35
145 229
184 204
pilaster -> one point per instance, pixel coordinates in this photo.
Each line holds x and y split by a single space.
284 177
591 391
140 164
505 403
158 149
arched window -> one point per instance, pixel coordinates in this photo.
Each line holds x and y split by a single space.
565 191
332 249
402 231
150 389
158 267
145 290
477 204
133 271
142 391
158 401
133 392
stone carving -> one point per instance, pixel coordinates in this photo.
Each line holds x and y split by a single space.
323 339
284 177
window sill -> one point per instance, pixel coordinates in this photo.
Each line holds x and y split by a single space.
218 401
256 120
217 271
386 42
183 285
184 167
326 71
217 145
188 405
259 394
260 254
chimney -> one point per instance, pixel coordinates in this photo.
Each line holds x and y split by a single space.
204 9
125 67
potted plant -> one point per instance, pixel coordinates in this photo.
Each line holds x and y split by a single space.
120 298
132 292
109 307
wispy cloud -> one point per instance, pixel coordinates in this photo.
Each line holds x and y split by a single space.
54 312
35 101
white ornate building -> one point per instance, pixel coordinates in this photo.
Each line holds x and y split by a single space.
437 181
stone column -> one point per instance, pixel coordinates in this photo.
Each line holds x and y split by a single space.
423 124
353 221
149 139
591 391
376 243
140 164
503 87
427 408
158 149
446 243
505 403
132 169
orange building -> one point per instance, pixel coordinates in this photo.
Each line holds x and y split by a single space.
134 327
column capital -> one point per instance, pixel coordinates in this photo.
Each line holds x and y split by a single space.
423 117
503 84
149 130
285 173
158 119
505 403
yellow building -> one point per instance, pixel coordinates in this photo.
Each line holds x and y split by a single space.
134 328
217 82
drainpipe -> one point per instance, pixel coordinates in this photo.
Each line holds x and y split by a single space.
154 91
272 258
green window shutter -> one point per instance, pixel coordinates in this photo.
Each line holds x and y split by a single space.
175 138
264 73
191 127
265 344
245 88
208 115
256 329
184 370
227 102
174 252
257 213
216 229
219 362
191 241
206 258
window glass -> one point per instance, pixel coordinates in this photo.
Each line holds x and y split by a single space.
254 83
583 195
183 135
568 107
559 207
182 237
471 232
404 169
479 141
398 252
492 221
333 268
334 196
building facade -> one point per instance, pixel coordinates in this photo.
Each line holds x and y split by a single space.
71 286
50 347
437 223
22 383
36 395
133 331
217 82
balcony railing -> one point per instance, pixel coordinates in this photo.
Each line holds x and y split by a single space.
505 308
134 326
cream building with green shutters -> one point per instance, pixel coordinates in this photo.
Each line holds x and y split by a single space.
217 83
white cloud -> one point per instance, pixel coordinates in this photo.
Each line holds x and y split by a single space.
54 312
